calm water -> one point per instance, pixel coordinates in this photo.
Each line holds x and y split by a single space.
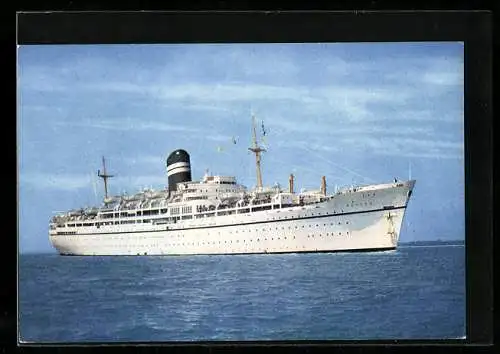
411 293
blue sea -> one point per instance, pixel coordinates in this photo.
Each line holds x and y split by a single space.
415 292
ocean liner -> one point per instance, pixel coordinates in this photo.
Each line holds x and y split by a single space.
217 215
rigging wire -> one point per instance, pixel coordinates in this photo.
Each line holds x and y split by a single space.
336 165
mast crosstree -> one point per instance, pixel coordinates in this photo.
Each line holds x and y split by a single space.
256 149
105 177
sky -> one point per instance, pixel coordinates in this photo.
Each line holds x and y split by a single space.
357 113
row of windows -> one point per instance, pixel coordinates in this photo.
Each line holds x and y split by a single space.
359 204
174 211
149 212
188 210
245 241
131 214
185 217
228 241
208 190
279 228
327 234
201 197
258 239
111 223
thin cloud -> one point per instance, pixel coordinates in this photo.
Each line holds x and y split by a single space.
40 78
132 184
352 102
73 182
128 124
193 106
65 182
145 159
376 141
443 78
281 125
407 147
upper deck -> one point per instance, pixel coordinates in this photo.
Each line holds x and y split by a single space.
163 208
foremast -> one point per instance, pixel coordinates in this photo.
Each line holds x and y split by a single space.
256 149
105 177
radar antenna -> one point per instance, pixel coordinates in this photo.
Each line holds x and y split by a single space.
105 177
256 149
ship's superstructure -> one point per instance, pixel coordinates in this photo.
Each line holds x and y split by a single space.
217 215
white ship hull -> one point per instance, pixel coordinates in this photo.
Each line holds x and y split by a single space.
366 219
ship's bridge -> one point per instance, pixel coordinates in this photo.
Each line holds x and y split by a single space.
210 188
219 180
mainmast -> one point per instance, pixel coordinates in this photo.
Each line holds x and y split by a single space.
105 177
256 149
